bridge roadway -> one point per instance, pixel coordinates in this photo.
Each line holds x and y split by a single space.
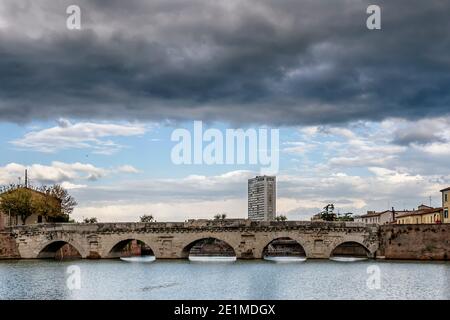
172 240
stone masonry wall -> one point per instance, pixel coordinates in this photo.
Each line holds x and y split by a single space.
8 246
415 242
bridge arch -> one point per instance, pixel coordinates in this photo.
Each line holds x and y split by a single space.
129 247
283 246
212 245
61 249
351 248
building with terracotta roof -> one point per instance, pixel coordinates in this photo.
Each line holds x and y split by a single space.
373 217
423 215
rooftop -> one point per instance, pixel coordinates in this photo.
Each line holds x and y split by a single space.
422 209
377 214
420 212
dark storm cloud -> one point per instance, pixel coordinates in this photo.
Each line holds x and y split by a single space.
274 62
417 136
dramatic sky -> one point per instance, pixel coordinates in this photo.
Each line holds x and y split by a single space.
364 115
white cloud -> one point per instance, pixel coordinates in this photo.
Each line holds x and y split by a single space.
127 169
76 170
395 177
58 172
309 131
440 149
359 161
299 196
298 147
163 211
357 168
71 186
82 135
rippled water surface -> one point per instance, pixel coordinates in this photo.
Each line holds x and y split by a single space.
116 279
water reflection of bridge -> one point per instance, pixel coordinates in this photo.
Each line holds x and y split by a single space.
211 247
284 247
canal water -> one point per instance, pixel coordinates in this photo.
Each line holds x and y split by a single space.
116 279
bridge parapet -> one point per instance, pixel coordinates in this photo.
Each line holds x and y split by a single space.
190 225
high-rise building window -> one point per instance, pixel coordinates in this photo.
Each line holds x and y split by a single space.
262 198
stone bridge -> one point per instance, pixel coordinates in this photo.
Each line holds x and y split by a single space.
172 240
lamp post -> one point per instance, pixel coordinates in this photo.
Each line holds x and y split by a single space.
9 217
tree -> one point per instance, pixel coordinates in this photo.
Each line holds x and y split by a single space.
220 216
9 187
48 207
90 220
328 213
68 203
345 217
17 202
281 218
147 218
53 202
58 210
